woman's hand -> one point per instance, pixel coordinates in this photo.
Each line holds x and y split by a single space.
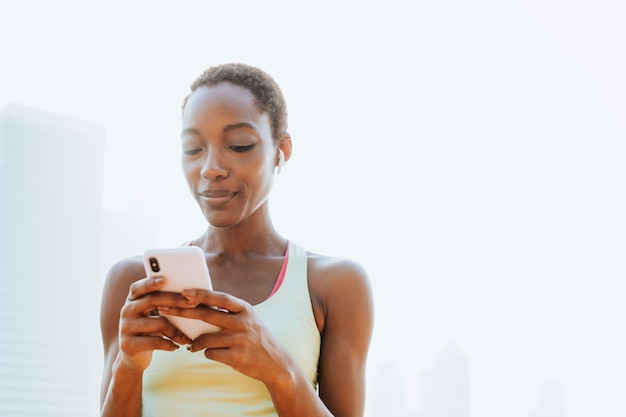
131 332
141 330
244 343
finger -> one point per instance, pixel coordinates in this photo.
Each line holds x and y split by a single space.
137 344
202 312
211 341
146 304
153 326
144 286
171 299
218 355
172 332
216 299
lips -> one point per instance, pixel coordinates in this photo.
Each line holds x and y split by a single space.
216 197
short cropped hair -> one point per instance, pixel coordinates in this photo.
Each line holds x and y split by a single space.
268 95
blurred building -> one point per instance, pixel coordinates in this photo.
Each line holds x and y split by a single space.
551 403
445 388
388 396
51 175
128 233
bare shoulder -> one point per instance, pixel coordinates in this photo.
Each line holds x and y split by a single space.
123 273
329 270
120 277
337 285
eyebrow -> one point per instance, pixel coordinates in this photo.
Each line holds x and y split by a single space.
245 125
226 128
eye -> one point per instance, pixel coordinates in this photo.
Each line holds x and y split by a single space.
241 148
192 151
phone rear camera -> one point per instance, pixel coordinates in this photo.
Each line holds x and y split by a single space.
154 264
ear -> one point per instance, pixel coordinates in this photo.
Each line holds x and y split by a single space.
285 145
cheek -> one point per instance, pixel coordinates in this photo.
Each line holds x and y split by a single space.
265 171
265 179
190 172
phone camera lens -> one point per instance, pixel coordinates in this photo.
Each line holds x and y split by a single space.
154 265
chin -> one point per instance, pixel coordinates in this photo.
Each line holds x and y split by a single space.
221 221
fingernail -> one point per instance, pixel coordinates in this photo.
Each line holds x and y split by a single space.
159 280
164 309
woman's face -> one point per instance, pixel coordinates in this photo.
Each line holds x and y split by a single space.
228 155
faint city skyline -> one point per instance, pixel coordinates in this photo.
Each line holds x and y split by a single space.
551 403
445 387
51 173
444 390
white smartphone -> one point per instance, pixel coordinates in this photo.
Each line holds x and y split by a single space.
183 267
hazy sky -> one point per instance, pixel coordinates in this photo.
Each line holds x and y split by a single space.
469 154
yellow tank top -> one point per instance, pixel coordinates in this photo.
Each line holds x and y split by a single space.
187 384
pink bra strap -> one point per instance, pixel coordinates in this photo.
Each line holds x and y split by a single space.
281 274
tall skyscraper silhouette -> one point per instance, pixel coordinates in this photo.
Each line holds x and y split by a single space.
51 174
551 403
128 233
445 389
388 397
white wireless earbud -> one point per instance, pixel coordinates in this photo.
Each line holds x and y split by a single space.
281 160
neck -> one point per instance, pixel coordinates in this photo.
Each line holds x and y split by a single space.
256 235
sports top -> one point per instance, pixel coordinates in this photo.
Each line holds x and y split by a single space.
182 383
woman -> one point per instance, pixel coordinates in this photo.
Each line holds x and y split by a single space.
296 326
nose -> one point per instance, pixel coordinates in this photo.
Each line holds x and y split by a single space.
213 166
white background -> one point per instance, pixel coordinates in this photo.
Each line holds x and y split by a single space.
469 154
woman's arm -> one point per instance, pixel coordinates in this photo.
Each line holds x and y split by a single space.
130 334
342 298
343 306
